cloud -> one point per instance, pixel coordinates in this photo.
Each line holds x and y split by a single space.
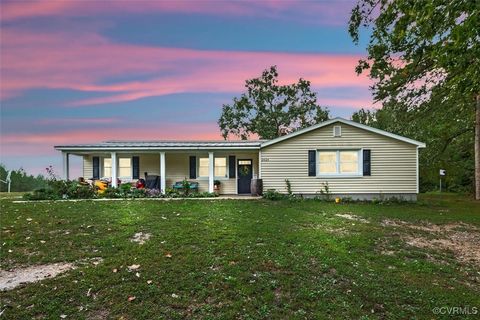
314 12
88 62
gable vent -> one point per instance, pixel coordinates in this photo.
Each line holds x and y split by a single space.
337 131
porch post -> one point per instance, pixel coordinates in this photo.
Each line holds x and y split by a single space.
162 172
211 168
66 166
260 164
114 169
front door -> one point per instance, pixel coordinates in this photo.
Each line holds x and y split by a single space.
245 175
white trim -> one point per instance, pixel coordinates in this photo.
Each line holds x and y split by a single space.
260 164
163 184
418 180
236 174
347 122
114 169
211 171
66 166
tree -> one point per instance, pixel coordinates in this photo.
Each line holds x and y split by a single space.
422 51
449 139
270 110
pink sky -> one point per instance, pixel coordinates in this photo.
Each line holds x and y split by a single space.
62 60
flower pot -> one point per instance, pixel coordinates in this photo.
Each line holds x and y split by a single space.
216 189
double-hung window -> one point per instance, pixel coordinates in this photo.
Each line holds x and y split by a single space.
220 167
124 167
107 167
339 163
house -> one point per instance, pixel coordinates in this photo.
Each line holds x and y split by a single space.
353 159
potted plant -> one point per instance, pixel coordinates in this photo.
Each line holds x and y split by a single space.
216 186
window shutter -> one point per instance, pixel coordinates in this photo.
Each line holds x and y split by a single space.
96 167
136 167
312 163
193 167
231 166
367 163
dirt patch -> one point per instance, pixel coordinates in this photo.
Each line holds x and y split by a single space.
462 239
140 237
429 227
352 217
339 231
11 279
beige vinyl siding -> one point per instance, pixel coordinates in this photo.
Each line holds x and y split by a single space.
177 167
393 163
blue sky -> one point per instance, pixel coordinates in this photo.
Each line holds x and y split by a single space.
79 72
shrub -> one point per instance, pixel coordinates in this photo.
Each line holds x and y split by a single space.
272 194
153 193
112 193
41 194
138 193
289 187
186 187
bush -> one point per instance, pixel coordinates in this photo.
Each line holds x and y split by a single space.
272 194
112 193
41 194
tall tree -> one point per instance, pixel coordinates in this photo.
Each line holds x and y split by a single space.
424 49
270 110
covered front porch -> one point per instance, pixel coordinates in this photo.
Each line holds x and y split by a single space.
232 169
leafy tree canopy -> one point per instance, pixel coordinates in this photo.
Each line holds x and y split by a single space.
271 110
420 45
424 56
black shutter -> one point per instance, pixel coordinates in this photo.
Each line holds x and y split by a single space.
367 163
231 166
193 167
312 163
96 167
136 167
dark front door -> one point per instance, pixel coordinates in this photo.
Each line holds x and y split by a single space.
245 175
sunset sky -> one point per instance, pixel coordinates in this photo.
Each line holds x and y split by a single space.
85 71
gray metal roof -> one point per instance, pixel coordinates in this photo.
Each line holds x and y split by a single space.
165 144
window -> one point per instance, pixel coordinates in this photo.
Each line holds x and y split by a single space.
220 167
339 162
107 167
327 162
348 161
203 167
337 131
124 167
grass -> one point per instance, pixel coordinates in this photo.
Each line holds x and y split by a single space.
235 260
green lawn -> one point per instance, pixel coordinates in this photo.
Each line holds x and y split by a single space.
243 259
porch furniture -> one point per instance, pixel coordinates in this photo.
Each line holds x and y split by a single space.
179 185
152 182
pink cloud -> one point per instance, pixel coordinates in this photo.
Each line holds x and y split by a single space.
331 13
42 143
56 61
70 121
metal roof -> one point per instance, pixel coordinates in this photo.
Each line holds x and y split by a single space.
165 144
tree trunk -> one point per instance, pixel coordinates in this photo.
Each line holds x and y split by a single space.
477 149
